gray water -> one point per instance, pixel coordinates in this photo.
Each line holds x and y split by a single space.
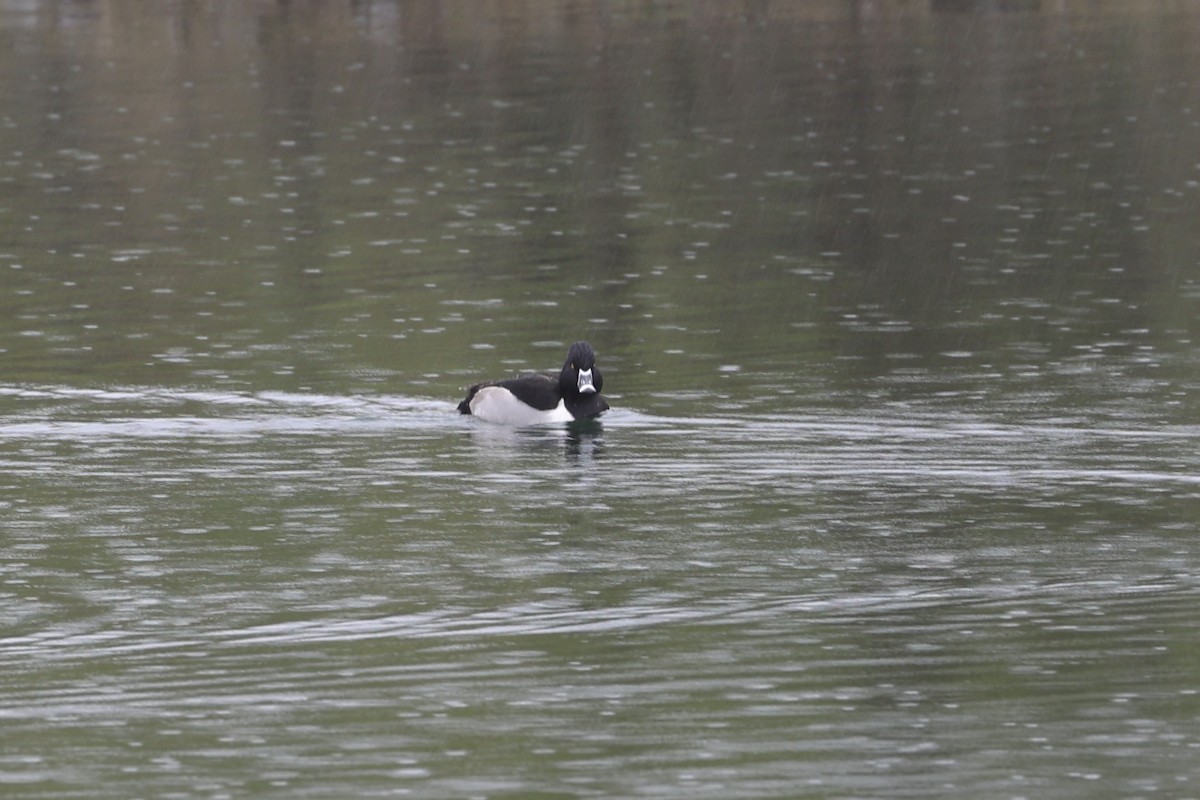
897 310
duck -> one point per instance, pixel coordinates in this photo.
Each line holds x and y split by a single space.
537 399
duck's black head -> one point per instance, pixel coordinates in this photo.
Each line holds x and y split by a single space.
580 375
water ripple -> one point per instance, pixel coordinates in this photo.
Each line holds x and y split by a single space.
836 597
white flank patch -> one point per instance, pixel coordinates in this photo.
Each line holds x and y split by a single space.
499 405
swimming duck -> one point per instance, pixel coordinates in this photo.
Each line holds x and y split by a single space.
533 399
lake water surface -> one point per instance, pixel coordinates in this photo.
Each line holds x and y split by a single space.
897 306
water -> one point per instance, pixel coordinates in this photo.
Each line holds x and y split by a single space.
897 312
303 595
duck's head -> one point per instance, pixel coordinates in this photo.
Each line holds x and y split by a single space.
580 375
